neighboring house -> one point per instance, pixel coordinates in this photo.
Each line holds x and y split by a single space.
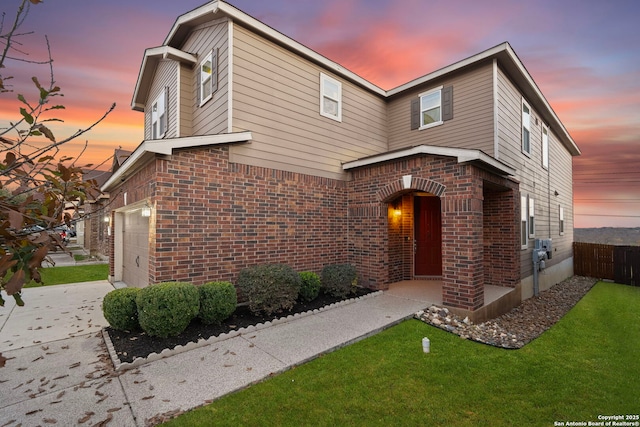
257 149
93 229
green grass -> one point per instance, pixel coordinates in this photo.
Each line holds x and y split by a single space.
72 274
586 365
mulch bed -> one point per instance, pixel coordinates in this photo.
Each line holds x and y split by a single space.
131 345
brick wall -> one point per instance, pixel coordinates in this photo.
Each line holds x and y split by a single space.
386 257
500 238
214 218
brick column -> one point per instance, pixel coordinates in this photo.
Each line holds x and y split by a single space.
462 249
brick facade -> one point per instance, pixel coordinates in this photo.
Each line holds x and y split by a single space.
381 242
212 218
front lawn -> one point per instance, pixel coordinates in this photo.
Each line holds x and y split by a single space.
585 366
71 274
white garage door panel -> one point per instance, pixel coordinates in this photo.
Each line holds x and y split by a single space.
135 250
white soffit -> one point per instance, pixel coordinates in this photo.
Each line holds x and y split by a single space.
461 154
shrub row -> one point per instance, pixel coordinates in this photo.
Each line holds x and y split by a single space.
166 309
272 288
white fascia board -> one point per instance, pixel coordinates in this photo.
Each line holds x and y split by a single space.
164 52
261 28
532 84
461 154
174 54
448 69
253 23
211 7
166 147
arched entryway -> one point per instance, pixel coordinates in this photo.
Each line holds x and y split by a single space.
414 228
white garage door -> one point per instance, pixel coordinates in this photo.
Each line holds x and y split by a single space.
135 250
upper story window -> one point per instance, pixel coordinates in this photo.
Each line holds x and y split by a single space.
545 147
431 108
208 77
330 98
159 116
526 128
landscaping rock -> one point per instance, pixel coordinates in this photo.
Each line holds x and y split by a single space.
522 324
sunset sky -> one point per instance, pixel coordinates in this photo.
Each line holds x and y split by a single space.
583 54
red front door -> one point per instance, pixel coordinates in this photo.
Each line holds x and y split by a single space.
428 236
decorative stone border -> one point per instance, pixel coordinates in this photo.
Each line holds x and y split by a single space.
123 366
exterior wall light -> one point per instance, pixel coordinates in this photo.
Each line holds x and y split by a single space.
146 211
396 208
106 218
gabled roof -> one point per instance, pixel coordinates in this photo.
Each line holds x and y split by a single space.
119 157
516 70
185 23
147 70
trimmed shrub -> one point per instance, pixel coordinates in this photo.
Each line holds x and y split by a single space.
339 280
217 301
269 288
119 309
166 309
309 285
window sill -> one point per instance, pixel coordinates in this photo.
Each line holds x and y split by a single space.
332 117
430 125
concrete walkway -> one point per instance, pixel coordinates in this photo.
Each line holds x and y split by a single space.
58 369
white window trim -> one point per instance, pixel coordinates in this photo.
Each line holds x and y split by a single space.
430 125
203 100
158 114
524 221
545 146
561 220
532 219
522 120
323 79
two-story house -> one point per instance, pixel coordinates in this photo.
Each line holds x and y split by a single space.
258 149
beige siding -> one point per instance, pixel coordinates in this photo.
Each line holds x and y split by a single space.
186 100
210 118
535 181
276 95
165 77
472 123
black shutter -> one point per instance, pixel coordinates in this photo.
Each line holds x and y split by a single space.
198 90
447 103
415 113
214 70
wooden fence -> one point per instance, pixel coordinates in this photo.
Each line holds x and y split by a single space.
618 263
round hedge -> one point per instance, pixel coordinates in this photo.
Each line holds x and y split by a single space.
339 280
166 309
217 301
309 285
269 288
119 309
